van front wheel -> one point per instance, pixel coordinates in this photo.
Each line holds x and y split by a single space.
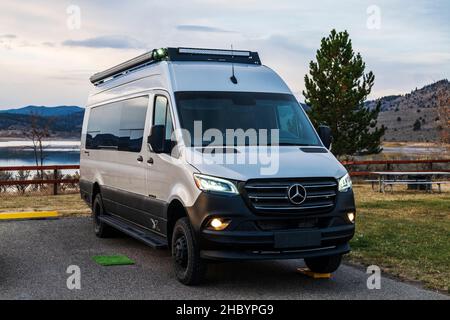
190 269
327 264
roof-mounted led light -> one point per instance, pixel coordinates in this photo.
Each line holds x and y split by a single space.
237 53
159 54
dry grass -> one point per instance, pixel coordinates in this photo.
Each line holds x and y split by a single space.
406 233
414 144
65 204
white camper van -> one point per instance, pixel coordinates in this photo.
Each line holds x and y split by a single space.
207 152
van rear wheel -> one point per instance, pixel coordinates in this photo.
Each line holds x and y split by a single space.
101 229
190 269
327 264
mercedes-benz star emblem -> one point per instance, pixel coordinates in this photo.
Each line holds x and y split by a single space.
297 194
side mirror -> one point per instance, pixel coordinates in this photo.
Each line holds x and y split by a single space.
157 140
325 135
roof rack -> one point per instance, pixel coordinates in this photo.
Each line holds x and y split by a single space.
176 54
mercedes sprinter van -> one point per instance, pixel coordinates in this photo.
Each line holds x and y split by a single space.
208 153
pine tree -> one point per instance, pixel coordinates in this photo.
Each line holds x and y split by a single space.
336 90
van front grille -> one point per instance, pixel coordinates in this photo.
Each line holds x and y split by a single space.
272 195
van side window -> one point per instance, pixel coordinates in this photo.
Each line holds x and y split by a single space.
159 117
103 127
162 115
118 125
169 125
132 123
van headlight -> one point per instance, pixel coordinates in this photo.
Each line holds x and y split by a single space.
208 183
345 183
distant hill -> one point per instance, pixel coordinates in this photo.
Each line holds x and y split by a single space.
63 121
45 111
402 113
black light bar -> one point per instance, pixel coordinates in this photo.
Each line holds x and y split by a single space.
176 54
221 55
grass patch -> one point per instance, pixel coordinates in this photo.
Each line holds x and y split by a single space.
405 233
116 260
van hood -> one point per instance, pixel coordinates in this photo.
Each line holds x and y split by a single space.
276 162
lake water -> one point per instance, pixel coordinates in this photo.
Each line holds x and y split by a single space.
19 153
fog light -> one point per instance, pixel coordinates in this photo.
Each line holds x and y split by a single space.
218 224
351 217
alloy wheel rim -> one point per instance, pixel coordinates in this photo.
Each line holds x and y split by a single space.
181 251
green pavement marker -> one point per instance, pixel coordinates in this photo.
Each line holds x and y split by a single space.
115 260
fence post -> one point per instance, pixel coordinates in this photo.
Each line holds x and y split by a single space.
55 185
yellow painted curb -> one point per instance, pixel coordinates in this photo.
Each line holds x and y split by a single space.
28 215
313 275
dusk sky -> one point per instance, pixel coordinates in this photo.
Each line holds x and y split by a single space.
49 49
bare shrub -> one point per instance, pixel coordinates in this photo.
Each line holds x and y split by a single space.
5 176
22 175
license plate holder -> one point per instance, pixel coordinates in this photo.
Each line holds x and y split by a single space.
284 240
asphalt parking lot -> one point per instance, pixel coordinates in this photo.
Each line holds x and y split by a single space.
35 255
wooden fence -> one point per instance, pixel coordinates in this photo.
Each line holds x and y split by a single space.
55 181
388 164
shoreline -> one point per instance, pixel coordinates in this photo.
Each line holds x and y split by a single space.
22 139
48 144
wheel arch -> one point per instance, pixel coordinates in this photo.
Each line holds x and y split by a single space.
175 211
95 191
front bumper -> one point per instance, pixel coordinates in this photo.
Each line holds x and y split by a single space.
238 255
252 236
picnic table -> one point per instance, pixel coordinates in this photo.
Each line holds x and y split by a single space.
413 178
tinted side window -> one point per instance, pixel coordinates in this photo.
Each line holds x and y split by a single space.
159 117
169 125
132 123
103 127
162 115
118 125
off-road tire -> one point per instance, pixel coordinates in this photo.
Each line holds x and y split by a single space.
189 268
101 229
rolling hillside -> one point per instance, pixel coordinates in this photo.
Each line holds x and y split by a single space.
45 111
63 121
415 116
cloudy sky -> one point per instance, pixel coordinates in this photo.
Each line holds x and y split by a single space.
48 49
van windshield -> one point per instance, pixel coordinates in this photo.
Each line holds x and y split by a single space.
243 119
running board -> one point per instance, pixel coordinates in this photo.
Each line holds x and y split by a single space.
149 238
